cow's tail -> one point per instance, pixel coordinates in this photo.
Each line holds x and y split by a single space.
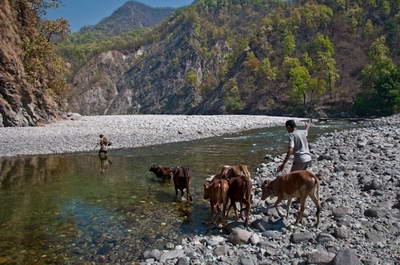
317 182
245 171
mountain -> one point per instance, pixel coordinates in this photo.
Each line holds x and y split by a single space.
245 56
28 68
132 15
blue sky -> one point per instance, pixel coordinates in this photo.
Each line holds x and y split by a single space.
81 13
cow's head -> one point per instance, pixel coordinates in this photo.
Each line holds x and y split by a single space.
206 188
267 189
154 168
226 172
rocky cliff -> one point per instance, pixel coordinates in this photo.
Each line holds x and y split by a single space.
23 102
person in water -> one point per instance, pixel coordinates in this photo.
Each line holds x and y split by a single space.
104 143
298 146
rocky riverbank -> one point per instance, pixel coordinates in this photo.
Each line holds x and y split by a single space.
360 220
80 133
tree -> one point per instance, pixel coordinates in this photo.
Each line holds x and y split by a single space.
383 98
380 83
54 28
299 79
232 99
289 43
268 71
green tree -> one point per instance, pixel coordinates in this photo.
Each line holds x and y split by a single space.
383 98
289 43
191 78
232 99
268 71
380 83
299 79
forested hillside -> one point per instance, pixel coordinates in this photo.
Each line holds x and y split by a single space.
315 57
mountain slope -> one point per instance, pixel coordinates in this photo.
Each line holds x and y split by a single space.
246 56
132 15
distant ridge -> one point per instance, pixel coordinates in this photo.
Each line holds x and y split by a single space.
132 15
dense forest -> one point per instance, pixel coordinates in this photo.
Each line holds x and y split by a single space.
271 56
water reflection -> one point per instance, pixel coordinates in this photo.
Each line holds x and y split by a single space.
105 163
30 171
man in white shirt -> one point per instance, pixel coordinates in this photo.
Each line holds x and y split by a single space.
298 146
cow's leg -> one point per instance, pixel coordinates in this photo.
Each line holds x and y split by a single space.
188 195
301 212
229 208
288 207
248 207
176 194
224 203
235 209
276 206
315 199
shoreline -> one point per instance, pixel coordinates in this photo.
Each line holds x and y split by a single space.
124 131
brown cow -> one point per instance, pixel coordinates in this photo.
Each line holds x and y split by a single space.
296 184
234 171
182 177
240 191
162 172
217 192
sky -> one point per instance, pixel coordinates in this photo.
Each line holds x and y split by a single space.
81 13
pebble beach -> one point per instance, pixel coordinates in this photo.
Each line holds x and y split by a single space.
80 133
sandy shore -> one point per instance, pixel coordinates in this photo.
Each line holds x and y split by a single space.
124 131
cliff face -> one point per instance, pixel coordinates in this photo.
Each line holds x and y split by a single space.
22 103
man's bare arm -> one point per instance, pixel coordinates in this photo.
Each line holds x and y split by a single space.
288 154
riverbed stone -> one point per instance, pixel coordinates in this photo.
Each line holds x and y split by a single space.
325 238
341 232
319 257
301 237
172 254
221 251
341 211
346 256
239 235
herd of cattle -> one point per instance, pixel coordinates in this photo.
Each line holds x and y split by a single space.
233 185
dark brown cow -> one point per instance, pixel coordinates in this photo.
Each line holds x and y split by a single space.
182 180
162 172
240 191
234 171
217 192
296 184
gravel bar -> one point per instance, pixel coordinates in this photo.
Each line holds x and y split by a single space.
124 131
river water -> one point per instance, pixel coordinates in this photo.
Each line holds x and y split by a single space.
78 209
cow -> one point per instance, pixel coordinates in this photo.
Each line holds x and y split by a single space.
240 191
164 173
182 178
217 192
296 184
236 170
